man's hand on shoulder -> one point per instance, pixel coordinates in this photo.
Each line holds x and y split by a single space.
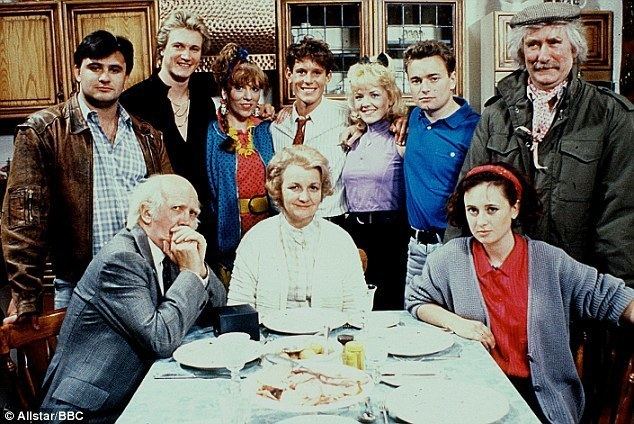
188 249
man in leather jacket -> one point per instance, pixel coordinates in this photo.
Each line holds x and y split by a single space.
574 141
73 166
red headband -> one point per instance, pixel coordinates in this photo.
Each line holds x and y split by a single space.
502 172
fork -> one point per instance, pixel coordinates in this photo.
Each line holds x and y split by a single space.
383 411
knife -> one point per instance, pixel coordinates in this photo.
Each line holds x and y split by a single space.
178 376
405 374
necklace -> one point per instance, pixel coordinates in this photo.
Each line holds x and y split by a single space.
243 147
181 120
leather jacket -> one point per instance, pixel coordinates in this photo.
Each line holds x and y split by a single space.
48 206
588 189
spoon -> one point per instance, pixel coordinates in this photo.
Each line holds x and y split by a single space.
367 416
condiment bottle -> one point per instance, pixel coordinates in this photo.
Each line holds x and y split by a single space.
354 354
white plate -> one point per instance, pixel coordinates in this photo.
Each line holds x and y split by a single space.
333 347
278 375
210 354
447 402
303 320
310 419
378 319
407 341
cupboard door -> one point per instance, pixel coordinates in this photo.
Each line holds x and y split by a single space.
346 25
135 20
405 22
31 70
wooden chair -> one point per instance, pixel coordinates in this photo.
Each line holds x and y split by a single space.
364 259
35 349
604 357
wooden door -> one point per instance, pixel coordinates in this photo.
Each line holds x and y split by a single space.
31 58
135 20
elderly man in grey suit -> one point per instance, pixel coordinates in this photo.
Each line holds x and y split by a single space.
137 299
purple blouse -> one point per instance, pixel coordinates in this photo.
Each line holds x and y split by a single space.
373 172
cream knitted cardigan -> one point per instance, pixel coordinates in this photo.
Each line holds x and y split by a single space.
260 274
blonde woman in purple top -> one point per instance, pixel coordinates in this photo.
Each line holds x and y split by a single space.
373 180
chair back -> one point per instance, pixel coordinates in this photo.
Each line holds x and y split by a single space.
604 357
34 351
364 259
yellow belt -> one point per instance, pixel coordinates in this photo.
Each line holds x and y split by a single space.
255 205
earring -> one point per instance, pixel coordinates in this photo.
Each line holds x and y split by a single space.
223 107
256 111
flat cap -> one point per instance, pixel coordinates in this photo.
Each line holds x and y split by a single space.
546 12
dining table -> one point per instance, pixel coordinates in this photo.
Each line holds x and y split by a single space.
171 392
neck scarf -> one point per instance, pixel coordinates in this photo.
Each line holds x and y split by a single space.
543 114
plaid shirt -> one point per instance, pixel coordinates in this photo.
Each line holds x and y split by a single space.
117 168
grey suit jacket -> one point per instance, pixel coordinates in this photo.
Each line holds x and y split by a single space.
117 323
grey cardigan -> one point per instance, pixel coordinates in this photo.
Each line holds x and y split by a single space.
560 290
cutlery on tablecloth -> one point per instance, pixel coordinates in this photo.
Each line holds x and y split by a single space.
407 374
178 376
383 412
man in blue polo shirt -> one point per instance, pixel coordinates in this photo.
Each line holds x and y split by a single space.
440 128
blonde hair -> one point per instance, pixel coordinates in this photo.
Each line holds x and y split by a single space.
300 155
182 19
375 74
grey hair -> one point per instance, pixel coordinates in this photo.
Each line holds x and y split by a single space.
182 19
574 30
152 193
300 155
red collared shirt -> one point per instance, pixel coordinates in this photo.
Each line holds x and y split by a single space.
505 292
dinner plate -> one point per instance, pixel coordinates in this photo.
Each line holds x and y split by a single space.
208 354
303 320
377 319
293 398
408 341
448 402
318 419
332 348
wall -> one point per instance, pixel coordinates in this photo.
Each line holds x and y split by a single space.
476 10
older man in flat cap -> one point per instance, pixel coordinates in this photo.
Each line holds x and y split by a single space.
573 140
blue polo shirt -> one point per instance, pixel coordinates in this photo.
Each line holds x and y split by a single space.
433 159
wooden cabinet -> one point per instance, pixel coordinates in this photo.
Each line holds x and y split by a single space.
31 58
355 28
497 63
39 74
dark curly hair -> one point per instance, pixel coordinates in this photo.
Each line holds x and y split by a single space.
530 205
310 48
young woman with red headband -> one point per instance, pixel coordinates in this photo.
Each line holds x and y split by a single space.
513 294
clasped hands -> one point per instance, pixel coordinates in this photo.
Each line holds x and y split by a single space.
187 249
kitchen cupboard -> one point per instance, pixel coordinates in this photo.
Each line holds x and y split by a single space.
37 41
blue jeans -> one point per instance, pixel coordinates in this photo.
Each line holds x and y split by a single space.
417 256
63 292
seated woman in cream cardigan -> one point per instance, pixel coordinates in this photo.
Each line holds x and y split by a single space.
294 259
